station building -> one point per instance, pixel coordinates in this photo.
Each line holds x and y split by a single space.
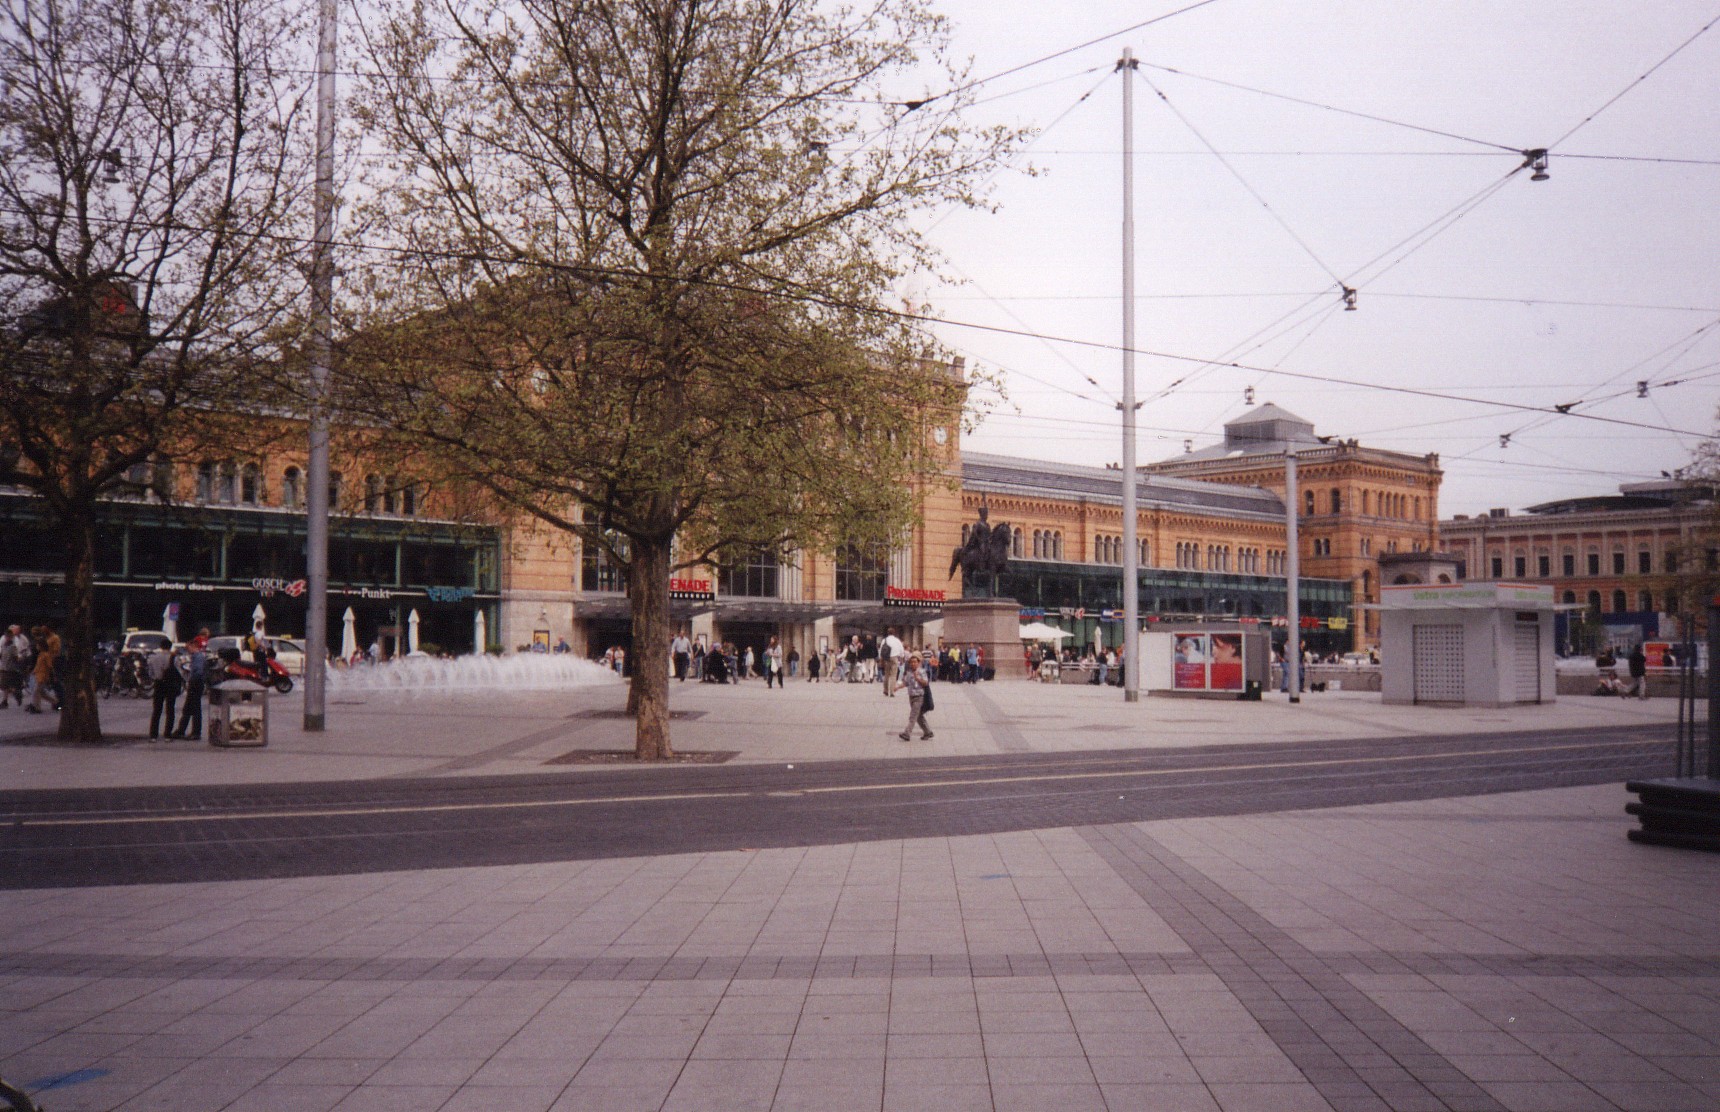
1211 526
1627 562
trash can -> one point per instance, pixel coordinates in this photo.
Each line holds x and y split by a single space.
1250 691
238 714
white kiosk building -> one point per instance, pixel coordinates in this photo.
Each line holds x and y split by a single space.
1469 644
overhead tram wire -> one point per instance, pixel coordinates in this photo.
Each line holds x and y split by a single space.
1335 108
1242 181
1644 76
790 292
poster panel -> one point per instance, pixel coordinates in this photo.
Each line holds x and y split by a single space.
1225 670
1188 667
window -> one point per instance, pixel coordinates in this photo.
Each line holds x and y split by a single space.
334 488
1594 562
1519 566
1365 508
290 488
1308 502
1015 545
1672 561
597 570
1570 563
1144 553
1057 545
1496 567
409 500
372 493
227 483
1367 546
1337 501
1644 562
1618 561
1645 602
1618 603
251 485
861 573
754 574
1543 565
1595 602
1570 598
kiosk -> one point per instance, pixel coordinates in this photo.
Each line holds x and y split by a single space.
1467 644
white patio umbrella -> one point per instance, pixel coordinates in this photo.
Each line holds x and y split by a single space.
412 632
480 632
170 621
1039 631
348 634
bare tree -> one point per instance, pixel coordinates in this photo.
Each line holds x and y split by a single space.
645 255
150 162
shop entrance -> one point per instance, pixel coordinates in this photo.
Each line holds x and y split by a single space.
603 634
745 635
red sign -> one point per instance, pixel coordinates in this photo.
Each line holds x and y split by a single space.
691 589
912 596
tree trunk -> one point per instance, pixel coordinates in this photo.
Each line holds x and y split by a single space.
80 715
648 701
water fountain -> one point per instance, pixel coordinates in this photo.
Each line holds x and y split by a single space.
486 673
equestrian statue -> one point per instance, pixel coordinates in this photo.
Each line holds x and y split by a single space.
986 550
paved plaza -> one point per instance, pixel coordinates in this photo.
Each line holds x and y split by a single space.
1490 951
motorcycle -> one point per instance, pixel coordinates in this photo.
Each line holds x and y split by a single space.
233 667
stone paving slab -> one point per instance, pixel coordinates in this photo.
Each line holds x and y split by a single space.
1499 952
386 734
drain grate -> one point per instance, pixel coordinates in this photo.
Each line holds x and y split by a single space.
626 756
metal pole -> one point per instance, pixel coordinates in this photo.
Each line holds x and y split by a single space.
322 324
1292 585
1131 530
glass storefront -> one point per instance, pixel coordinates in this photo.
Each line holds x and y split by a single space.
216 566
1061 588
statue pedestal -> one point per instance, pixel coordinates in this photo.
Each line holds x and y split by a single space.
994 624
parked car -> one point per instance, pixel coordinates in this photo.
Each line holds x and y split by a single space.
290 654
145 641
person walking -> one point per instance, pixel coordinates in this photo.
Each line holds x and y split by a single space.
773 664
47 654
165 685
814 666
681 651
890 654
14 652
1638 671
919 688
195 662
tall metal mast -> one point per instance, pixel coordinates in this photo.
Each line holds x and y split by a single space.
322 327
1131 531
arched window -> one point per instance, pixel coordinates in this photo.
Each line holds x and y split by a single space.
1038 544
1015 544
251 485
372 493
1645 602
389 489
227 483
1308 502
334 490
1570 598
206 481
1618 602
1595 601
1365 507
1144 552
290 488
1057 545
1337 500
409 500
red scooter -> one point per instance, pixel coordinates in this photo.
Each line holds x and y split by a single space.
234 667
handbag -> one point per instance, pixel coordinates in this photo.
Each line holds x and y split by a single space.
927 704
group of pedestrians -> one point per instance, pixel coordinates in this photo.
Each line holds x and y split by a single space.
172 671
32 659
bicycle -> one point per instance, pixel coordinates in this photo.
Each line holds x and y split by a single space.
14 1099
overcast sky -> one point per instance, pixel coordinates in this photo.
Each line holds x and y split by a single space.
1561 292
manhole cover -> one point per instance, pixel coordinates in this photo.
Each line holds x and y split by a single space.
626 756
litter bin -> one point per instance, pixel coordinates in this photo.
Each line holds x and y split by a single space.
238 714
